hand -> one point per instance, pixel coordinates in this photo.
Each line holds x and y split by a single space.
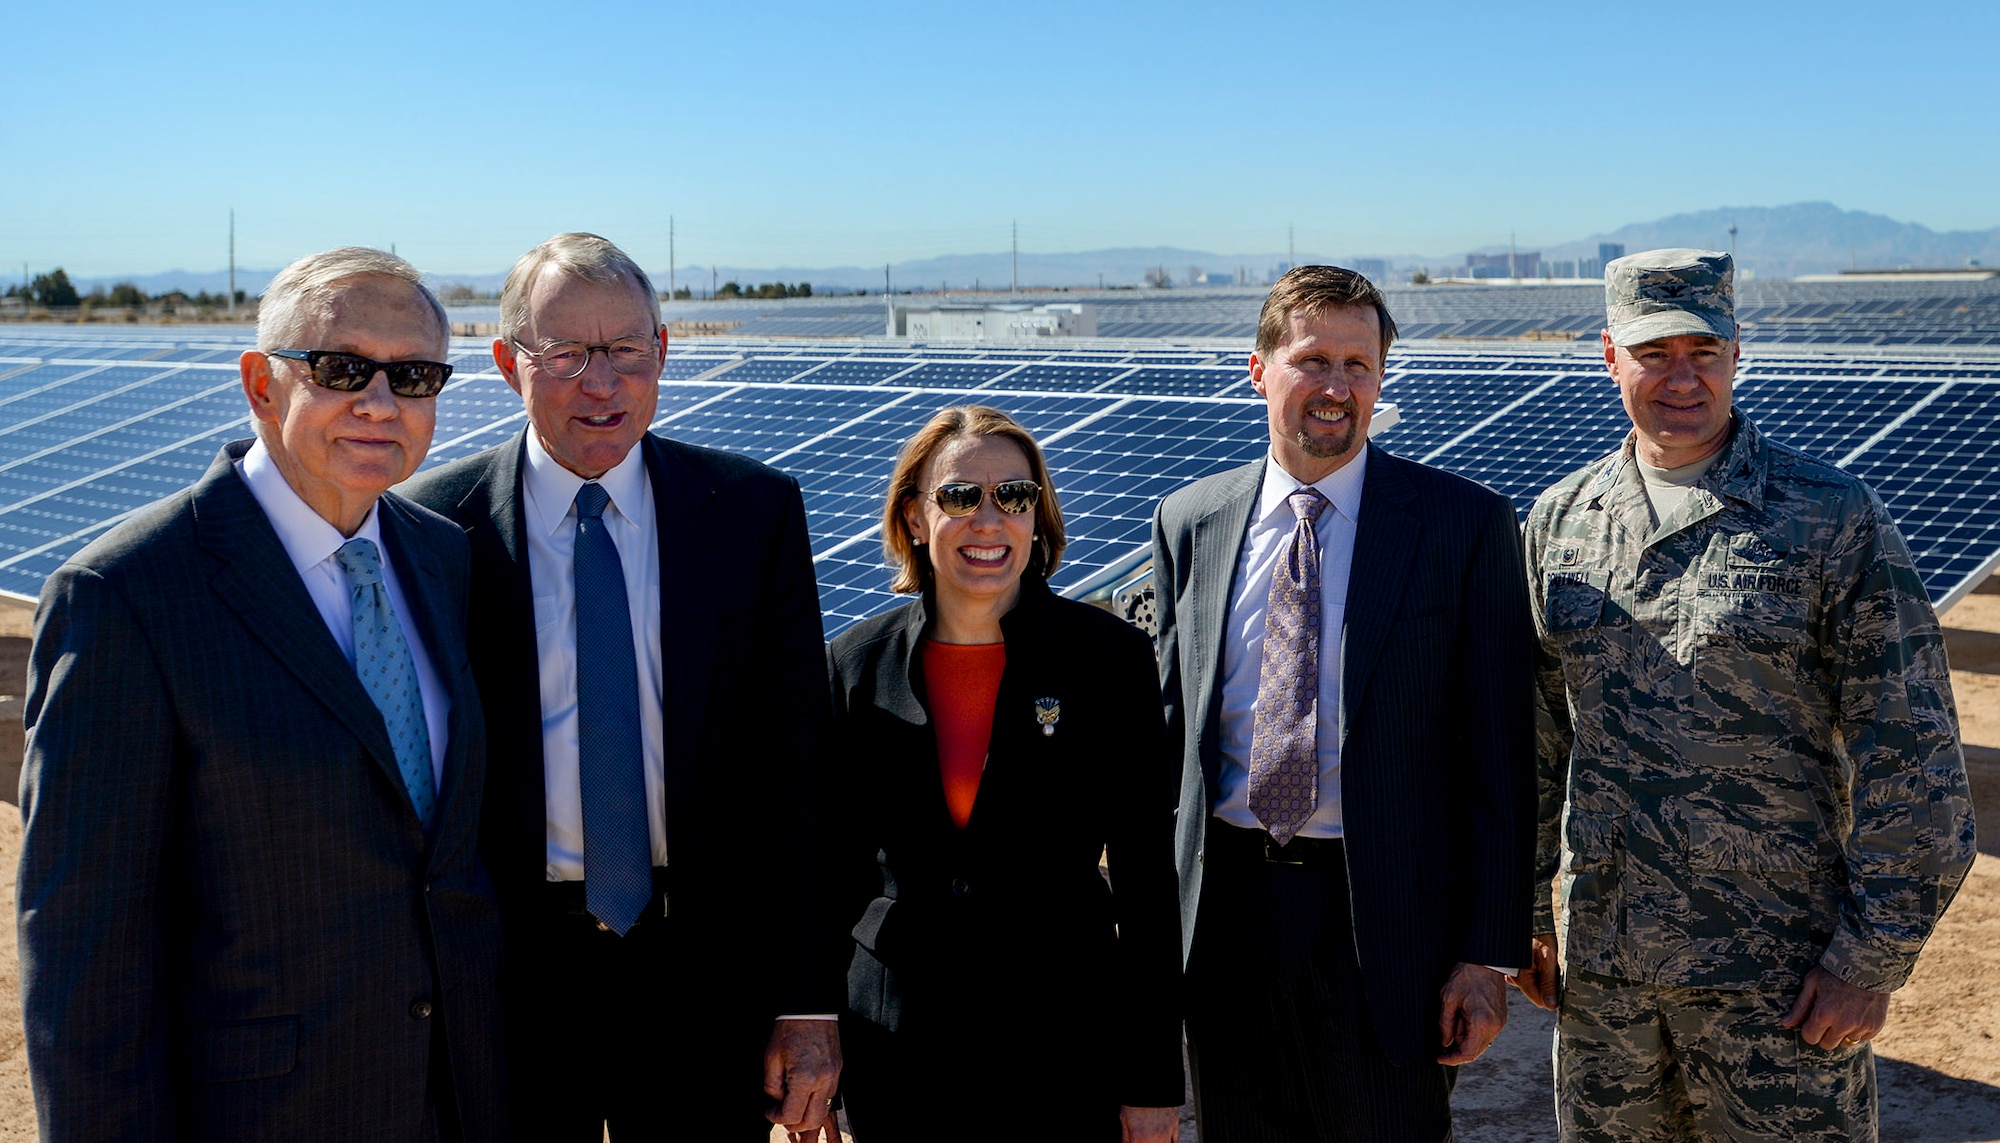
1149 1124
801 1071
1831 1013
1475 1009
1537 982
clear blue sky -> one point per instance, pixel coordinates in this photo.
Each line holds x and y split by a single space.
826 134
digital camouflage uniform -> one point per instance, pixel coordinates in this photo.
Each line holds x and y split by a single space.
1749 766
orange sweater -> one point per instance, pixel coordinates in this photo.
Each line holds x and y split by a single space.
962 684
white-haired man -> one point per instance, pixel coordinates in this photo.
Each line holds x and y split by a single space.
251 905
646 633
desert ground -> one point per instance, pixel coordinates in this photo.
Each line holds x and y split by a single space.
1938 1060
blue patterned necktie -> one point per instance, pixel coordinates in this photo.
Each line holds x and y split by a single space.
1284 738
617 842
387 671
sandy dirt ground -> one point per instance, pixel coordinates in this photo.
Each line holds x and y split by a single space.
1938 1060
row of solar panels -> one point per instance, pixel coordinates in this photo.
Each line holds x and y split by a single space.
86 439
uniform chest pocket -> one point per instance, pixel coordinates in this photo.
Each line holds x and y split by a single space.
1574 600
1754 593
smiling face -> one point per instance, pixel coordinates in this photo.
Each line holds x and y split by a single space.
977 559
339 451
587 422
1677 392
1320 385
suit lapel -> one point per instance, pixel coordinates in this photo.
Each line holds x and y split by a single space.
256 580
1385 546
688 609
1218 541
424 589
503 594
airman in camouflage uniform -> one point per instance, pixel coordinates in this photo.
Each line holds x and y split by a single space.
1750 760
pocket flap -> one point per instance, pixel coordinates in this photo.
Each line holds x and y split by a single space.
1574 599
1768 847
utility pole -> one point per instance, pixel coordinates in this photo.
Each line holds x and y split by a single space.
670 256
232 261
1291 246
1513 269
713 278
1732 242
1100 281
887 289
1015 288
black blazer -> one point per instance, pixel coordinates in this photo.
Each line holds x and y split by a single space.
232 923
1436 721
741 646
1009 920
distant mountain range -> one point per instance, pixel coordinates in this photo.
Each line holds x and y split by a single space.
1771 241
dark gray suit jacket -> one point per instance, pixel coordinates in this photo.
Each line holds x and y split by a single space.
1436 721
232 923
744 692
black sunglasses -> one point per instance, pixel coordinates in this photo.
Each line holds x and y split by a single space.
961 498
351 372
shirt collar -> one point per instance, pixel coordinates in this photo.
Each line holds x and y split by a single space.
1341 487
307 537
552 488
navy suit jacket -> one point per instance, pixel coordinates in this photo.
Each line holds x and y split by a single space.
232 924
1436 721
744 698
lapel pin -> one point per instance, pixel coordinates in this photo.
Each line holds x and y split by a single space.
1048 712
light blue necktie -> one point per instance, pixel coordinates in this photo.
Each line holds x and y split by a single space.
617 842
382 660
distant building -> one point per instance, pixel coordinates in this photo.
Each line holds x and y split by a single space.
1560 268
1520 264
1374 269
1211 278
993 323
1609 252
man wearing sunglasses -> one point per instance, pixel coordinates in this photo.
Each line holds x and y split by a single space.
250 897
646 633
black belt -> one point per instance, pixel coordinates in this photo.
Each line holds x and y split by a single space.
1235 841
567 898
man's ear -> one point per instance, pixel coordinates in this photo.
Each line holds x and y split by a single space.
256 371
505 360
1257 374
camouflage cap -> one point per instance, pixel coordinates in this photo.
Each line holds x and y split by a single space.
1670 293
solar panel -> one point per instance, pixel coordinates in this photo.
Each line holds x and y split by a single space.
97 423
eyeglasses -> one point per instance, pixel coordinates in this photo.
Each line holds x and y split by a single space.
351 372
566 359
961 498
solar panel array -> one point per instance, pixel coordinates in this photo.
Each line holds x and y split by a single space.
1774 313
94 424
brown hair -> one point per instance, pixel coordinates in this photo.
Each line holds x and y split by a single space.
1309 291
913 566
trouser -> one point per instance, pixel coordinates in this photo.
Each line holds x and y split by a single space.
1642 1062
623 1033
1279 1037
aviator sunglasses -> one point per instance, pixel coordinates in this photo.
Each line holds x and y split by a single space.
351 372
961 498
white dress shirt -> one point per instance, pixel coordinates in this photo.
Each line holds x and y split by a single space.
549 494
311 542
1243 640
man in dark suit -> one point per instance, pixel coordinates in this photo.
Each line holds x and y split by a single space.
1345 642
251 905
647 636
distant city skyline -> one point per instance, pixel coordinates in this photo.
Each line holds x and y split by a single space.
820 135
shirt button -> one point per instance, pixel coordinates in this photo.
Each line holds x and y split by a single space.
960 887
420 1010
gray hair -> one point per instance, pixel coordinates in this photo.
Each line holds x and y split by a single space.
300 292
586 256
